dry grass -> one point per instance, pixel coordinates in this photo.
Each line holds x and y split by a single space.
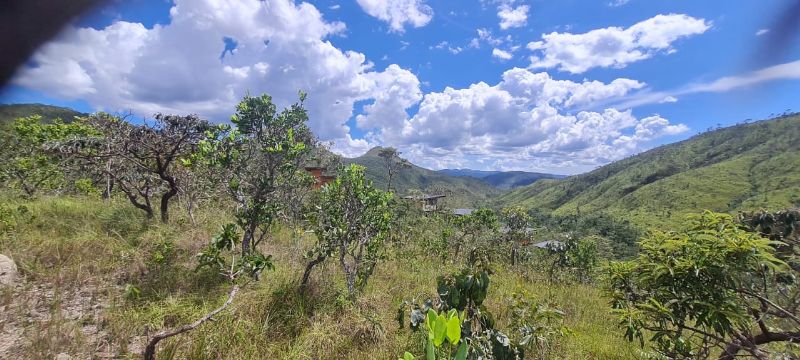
76 241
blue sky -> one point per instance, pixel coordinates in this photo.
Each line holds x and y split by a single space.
558 86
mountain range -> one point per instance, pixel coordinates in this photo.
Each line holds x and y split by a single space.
744 167
502 179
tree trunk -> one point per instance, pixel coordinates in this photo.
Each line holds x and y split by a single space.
165 204
309 267
247 238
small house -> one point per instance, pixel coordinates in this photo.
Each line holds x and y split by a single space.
320 176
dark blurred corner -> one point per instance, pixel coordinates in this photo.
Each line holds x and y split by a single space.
784 29
27 24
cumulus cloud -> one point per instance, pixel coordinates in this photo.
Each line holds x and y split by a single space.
613 46
528 120
512 17
501 54
281 47
398 13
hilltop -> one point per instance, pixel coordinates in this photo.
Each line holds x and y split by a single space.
743 167
9 112
460 191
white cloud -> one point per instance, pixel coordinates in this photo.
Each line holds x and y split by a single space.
398 13
616 3
512 17
525 122
175 68
613 46
444 45
761 32
786 71
501 54
668 99
790 70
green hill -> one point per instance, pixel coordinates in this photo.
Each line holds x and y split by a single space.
502 179
9 112
743 167
460 191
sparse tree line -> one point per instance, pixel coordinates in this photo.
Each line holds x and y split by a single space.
720 286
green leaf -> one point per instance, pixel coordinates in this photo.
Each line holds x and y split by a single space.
453 327
430 322
430 352
440 330
461 354
407 356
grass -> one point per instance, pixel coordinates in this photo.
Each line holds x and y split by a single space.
69 242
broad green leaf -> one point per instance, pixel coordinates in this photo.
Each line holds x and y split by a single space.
461 353
430 322
453 328
440 330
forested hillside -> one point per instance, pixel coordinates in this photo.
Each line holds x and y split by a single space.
9 112
460 191
502 179
743 167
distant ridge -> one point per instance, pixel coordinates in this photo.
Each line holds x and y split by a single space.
742 167
460 191
10 112
502 179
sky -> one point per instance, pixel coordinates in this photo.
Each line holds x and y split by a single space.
549 86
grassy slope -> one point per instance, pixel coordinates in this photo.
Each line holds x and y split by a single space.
742 167
460 191
12 111
81 243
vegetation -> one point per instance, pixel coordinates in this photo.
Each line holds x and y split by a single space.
460 192
218 277
352 218
502 179
711 287
740 168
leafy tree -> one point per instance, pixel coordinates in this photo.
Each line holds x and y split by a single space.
259 160
28 164
474 227
710 285
352 218
394 163
517 222
142 160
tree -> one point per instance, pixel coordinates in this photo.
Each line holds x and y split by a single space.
474 226
27 162
352 218
517 222
259 160
394 164
711 284
140 159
